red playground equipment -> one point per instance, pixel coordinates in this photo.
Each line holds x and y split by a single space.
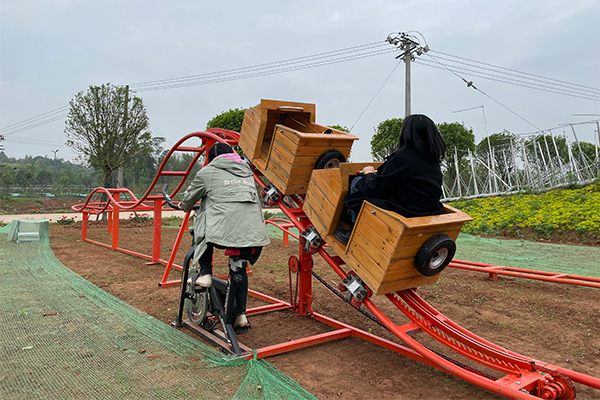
269 133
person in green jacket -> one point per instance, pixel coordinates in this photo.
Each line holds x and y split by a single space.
230 215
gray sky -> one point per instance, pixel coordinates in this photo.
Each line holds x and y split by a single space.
50 50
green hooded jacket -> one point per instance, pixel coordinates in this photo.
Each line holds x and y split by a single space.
230 213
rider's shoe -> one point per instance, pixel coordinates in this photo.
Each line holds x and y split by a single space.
241 321
203 281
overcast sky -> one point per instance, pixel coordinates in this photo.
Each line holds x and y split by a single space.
50 50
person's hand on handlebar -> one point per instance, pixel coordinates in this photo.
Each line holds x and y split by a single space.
369 169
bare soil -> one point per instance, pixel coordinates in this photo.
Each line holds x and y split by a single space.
559 324
38 205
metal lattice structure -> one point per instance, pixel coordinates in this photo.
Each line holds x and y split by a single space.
524 164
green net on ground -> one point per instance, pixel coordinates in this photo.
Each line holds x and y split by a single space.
62 337
564 259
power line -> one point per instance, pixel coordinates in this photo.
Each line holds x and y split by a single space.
574 92
270 65
252 73
494 72
501 79
470 84
49 114
519 72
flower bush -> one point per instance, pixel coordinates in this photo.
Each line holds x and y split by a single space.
575 210
64 220
139 217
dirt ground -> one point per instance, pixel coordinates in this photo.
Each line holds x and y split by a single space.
559 324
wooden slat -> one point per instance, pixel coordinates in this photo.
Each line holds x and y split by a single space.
316 151
295 189
278 167
315 214
282 155
367 257
370 276
375 240
406 284
287 137
274 179
250 136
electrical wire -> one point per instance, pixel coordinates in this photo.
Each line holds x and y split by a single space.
520 83
470 84
386 80
470 67
209 79
270 65
513 70
50 114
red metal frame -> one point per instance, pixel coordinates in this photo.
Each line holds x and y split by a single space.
556 277
522 377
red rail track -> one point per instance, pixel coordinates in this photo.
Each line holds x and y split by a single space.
556 277
519 377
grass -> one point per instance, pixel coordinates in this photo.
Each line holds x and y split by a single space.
559 211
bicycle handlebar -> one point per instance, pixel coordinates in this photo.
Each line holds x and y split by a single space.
168 199
170 202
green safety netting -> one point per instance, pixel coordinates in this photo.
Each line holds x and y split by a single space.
62 337
561 258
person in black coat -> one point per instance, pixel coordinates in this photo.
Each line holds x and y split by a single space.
409 182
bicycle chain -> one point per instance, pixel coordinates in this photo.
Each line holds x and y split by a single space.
341 296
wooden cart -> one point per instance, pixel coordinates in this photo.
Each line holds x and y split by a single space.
283 141
384 244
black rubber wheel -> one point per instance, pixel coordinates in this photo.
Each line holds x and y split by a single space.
435 255
330 159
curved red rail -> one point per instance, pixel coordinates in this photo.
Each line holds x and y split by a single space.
113 195
522 377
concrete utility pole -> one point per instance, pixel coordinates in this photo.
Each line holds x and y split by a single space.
120 170
409 45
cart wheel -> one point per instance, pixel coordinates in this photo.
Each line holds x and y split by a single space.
330 159
435 255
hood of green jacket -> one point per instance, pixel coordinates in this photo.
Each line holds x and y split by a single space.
235 167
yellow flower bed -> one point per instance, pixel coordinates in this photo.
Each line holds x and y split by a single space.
562 209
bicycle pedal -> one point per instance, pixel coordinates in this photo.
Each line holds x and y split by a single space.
239 330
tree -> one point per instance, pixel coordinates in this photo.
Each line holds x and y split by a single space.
231 120
339 128
44 179
8 177
589 150
459 140
108 128
386 139
546 150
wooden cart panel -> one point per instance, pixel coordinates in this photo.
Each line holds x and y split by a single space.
383 244
284 142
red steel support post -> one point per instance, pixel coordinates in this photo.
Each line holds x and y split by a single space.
157 230
305 297
84 225
115 222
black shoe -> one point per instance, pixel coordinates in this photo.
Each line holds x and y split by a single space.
343 235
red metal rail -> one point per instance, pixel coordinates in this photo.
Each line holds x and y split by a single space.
519 377
556 277
113 204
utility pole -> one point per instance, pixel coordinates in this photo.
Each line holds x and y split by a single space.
120 170
409 45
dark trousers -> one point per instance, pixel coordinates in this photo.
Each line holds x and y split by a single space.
241 293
